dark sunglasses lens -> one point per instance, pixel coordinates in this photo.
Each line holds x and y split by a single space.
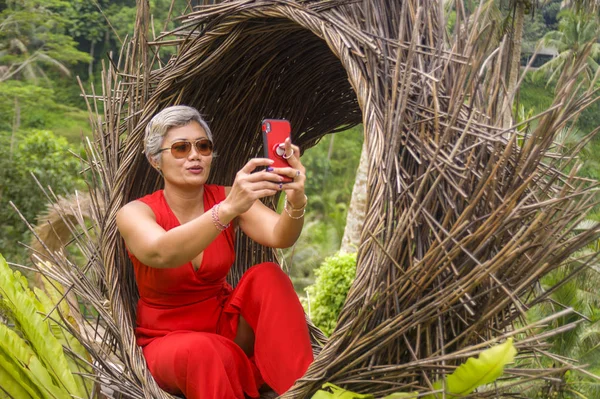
204 147
180 150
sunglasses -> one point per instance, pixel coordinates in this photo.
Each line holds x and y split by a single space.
181 149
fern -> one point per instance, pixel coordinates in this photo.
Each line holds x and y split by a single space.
338 393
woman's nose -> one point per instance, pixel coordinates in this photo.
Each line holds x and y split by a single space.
194 153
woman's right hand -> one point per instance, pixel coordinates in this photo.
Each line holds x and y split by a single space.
248 187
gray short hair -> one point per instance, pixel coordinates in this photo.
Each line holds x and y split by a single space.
170 117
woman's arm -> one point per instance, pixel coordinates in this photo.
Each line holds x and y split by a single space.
269 228
155 247
279 230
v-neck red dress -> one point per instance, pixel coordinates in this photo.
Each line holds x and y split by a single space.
187 320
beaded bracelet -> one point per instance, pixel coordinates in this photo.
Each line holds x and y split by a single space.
302 208
216 221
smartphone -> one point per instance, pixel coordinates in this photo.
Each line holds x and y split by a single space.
274 132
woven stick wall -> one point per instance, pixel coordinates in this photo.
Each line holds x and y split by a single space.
463 216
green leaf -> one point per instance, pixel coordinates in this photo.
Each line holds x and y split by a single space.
12 388
64 337
402 395
21 362
338 393
22 305
476 372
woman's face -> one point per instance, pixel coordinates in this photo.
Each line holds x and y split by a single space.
194 168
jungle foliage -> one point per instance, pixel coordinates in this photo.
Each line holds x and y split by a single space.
48 157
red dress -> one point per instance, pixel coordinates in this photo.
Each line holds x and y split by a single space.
187 320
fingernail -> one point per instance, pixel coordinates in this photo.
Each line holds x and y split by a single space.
269 169
280 186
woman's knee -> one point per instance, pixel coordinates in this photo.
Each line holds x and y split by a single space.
194 346
173 358
268 271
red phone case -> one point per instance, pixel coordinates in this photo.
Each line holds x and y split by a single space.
275 131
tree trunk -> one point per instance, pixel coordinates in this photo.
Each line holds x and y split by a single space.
91 65
515 62
15 126
358 207
330 151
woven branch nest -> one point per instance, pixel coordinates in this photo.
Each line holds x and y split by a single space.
463 216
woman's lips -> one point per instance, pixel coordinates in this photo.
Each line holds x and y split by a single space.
196 170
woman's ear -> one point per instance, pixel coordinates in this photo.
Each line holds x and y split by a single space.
155 165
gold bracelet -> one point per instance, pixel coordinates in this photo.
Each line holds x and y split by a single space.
292 205
303 209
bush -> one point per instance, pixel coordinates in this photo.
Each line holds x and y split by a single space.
328 293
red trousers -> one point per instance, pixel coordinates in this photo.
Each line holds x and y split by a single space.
207 365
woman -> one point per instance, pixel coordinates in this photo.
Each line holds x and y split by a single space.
200 337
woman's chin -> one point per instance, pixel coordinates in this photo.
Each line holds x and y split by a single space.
189 182
197 180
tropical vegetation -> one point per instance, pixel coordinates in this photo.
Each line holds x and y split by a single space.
46 44
39 356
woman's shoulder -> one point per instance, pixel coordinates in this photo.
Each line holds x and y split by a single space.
145 204
132 212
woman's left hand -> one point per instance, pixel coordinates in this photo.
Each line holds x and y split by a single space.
281 230
294 189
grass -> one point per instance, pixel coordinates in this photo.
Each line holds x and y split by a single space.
535 95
